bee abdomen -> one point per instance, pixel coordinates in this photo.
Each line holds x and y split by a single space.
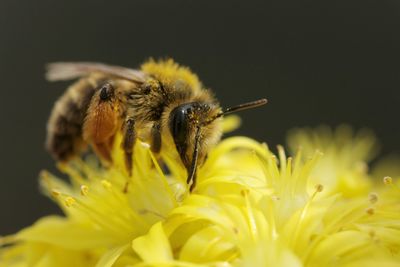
64 128
64 138
63 147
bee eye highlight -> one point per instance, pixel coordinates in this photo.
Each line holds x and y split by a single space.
106 91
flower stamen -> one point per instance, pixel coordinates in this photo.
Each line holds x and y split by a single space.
318 188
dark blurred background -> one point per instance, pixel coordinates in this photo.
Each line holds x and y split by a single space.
316 61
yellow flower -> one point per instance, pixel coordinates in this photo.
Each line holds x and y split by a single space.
250 208
344 166
283 226
101 219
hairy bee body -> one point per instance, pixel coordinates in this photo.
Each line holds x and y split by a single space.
162 104
64 138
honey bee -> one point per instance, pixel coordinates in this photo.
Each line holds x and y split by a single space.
163 104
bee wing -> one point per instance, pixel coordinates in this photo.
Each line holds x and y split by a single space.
61 71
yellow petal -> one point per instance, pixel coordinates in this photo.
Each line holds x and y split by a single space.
207 245
153 247
61 232
109 258
231 123
331 250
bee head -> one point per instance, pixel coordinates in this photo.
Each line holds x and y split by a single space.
186 117
184 122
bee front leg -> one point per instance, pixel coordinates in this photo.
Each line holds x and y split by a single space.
129 137
156 137
128 142
192 170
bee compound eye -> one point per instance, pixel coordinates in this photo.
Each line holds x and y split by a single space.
179 123
106 91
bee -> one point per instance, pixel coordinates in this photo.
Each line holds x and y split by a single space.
162 103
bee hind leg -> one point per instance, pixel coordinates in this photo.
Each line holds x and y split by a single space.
129 137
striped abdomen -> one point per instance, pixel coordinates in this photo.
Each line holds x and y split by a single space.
64 128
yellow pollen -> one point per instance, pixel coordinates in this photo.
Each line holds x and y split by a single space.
69 201
106 184
84 190
387 180
373 198
370 211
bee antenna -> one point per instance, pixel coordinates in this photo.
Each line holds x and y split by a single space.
244 106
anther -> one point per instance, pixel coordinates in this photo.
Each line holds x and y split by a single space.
372 234
319 187
370 211
373 198
106 184
244 192
69 201
84 190
55 193
275 198
387 180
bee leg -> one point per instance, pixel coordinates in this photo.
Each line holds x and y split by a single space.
192 171
155 145
129 137
156 138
